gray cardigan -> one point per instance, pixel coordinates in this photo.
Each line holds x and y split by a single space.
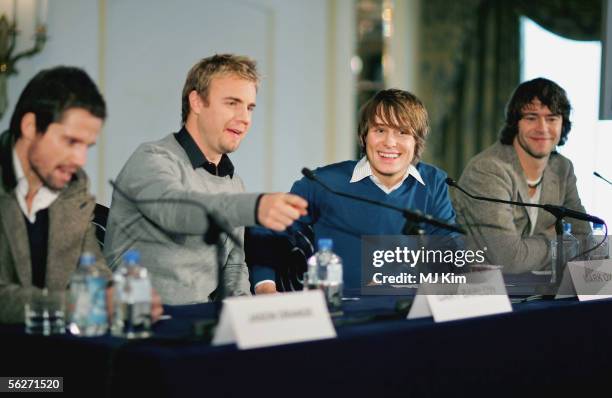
504 229
164 218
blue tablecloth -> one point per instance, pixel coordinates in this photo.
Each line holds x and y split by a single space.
548 347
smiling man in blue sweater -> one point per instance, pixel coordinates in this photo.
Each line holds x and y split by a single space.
392 130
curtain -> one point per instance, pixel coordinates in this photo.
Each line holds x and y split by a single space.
470 64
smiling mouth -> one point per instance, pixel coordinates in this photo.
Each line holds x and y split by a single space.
387 155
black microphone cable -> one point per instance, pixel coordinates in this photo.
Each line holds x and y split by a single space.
557 211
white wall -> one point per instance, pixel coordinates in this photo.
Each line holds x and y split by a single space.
139 52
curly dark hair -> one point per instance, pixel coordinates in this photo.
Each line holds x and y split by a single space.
549 93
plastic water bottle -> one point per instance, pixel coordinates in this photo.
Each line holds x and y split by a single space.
88 299
570 243
335 282
132 299
571 246
603 251
325 273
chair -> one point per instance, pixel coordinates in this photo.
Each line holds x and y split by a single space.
99 221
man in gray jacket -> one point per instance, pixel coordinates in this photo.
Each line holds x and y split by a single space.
45 204
524 167
167 187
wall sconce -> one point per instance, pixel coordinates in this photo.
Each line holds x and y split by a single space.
9 31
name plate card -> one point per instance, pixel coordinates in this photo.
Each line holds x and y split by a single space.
483 293
268 320
592 280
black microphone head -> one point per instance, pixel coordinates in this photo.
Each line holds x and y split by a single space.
449 181
308 173
596 174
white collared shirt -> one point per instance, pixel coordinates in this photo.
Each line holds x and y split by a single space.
362 170
43 198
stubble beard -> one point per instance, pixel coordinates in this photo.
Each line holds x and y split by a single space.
529 151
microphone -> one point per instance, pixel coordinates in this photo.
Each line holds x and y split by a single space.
596 174
413 215
557 211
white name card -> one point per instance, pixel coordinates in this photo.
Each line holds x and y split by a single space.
484 293
566 288
592 280
267 320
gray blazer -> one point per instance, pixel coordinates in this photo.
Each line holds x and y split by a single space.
505 229
70 234
162 214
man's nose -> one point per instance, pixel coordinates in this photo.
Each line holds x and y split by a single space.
390 139
244 115
79 155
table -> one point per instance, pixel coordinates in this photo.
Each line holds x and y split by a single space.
548 347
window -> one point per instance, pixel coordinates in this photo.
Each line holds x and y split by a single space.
575 66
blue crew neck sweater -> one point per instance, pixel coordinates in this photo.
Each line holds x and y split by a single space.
345 220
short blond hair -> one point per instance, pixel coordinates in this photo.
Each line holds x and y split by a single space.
398 109
201 74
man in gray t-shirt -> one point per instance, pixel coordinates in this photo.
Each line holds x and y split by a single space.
167 187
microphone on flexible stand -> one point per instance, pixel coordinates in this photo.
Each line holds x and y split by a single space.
413 217
596 174
559 212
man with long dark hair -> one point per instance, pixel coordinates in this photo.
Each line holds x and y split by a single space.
524 166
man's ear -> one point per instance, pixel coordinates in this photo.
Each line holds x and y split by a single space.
195 102
28 126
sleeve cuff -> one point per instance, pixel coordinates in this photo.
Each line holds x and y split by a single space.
264 281
257 208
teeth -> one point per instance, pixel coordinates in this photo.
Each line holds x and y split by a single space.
389 155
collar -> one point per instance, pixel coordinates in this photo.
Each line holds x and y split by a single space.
197 158
43 198
363 169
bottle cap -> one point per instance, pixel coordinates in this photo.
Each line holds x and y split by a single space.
87 259
325 244
131 256
567 227
597 225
